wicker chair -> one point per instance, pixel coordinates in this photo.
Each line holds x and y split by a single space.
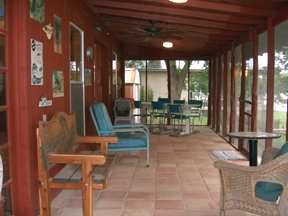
238 186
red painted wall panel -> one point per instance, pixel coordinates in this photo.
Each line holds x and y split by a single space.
70 11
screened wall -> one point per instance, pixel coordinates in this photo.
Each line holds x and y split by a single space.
280 81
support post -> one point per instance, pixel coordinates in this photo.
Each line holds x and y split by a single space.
224 122
209 95
146 81
219 85
270 81
254 82
242 96
214 93
233 93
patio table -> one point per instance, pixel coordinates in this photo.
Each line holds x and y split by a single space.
187 116
145 108
253 138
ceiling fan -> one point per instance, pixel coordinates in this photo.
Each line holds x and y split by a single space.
146 33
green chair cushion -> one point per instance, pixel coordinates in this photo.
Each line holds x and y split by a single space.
283 150
268 191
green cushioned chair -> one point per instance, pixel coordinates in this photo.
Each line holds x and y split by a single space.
259 190
269 191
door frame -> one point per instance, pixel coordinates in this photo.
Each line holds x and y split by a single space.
82 66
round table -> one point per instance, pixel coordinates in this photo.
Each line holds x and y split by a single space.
253 138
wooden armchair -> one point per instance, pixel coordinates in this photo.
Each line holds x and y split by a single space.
57 142
259 190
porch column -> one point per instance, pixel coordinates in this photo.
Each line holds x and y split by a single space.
25 200
224 122
209 90
146 80
255 82
219 85
270 80
242 96
169 79
214 89
233 92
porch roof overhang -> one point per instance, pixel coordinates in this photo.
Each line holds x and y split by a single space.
199 28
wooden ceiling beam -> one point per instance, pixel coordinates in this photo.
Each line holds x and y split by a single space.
111 20
219 7
173 11
171 19
124 33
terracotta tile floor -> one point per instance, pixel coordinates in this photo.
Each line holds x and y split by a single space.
181 181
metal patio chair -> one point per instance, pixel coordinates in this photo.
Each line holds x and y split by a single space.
131 137
123 111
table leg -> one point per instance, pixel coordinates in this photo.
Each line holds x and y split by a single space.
253 152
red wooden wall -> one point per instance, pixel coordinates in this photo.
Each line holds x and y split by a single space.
25 97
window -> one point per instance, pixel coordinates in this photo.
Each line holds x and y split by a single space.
179 79
262 87
157 79
228 89
198 88
280 82
237 72
135 80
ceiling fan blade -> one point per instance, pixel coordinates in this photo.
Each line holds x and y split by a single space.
147 39
171 31
140 29
168 36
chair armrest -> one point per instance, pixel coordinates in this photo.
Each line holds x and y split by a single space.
273 171
269 155
76 159
96 139
131 126
123 130
128 126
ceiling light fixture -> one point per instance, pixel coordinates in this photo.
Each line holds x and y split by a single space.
178 1
167 44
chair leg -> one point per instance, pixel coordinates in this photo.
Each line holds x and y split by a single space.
222 212
147 158
45 209
87 191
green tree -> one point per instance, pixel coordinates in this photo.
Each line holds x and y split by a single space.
199 82
139 64
150 94
281 73
178 77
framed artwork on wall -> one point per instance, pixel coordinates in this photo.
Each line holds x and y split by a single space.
89 53
88 77
37 10
57 34
58 84
36 63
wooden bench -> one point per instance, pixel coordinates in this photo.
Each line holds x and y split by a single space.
57 142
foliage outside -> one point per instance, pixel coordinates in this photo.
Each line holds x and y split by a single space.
143 94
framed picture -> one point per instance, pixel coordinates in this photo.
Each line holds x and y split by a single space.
37 10
36 62
57 34
88 77
58 84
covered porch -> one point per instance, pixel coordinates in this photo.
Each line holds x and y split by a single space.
181 181
62 56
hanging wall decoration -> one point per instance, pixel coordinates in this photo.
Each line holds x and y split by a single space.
36 62
49 30
57 34
37 10
58 84
88 77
